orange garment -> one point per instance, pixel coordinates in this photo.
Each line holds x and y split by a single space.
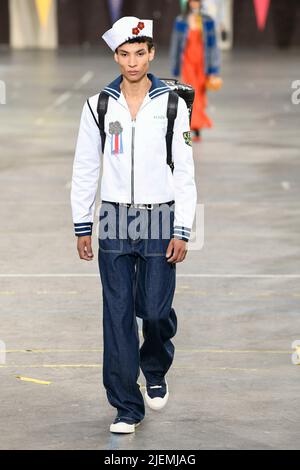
193 73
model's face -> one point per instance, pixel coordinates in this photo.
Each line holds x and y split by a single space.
134 60
194 5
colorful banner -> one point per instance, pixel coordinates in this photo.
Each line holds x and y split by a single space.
115 8
261 12
183 4
43 9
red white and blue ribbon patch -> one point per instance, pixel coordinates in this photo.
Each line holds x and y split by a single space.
115 129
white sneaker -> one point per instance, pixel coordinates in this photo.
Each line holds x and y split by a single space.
157 403
123 428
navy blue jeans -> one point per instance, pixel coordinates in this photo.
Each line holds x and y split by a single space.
137 281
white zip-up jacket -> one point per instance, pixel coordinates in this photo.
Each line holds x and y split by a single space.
139 172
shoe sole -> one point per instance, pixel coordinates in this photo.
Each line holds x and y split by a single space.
151 405
125 430
150 401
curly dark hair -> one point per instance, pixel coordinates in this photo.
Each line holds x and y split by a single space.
139 40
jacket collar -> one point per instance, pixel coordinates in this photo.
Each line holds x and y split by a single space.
158 87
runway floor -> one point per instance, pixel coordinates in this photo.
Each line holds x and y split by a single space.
233 384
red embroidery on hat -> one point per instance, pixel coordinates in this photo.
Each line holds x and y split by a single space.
139 28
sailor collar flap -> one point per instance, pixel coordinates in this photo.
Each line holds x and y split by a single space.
158 87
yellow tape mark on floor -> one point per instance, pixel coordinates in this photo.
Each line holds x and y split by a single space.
264 294
29 379
192 292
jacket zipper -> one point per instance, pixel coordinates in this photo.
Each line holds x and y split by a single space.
132 160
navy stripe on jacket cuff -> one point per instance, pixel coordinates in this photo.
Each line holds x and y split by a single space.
213 71
181 233
83 229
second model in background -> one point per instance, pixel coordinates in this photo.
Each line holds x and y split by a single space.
195 58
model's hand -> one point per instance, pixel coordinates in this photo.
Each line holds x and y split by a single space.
84 248
179 251
214 82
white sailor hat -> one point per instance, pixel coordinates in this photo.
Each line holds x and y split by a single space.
127 28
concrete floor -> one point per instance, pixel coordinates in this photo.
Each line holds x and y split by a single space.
233 384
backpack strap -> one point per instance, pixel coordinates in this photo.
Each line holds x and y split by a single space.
171 115
102 110
92 113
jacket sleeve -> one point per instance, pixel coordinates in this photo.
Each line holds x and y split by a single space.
183 174
86 170
213 51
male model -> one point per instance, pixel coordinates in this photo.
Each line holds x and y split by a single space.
147 206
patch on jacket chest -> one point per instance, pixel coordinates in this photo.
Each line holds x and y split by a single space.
187 138
115 129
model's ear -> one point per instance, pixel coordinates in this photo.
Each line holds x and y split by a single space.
116 57
152 54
